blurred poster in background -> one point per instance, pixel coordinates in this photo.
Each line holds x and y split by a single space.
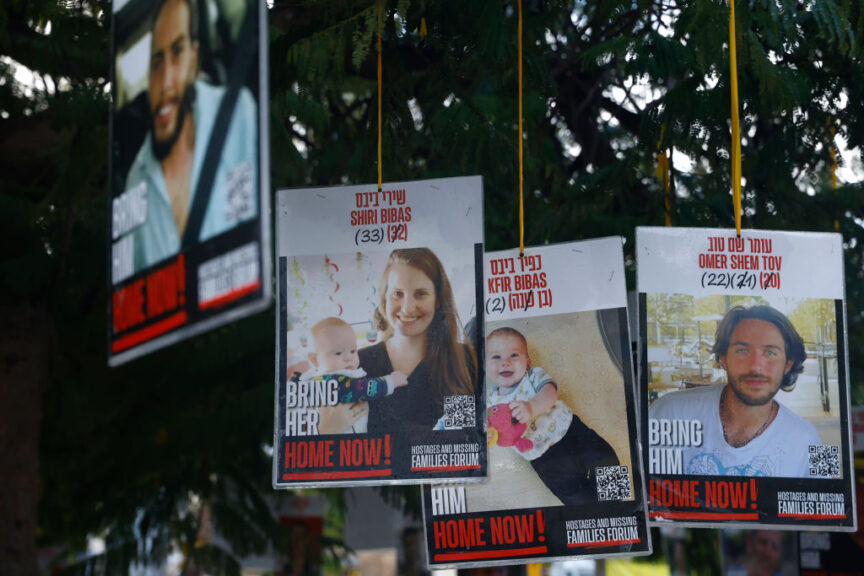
835 554
759 553
189 176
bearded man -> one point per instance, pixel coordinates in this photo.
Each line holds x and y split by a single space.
745 430
173 160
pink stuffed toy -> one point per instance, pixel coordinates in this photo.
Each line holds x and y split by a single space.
505 429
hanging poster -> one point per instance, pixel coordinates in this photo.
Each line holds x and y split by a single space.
743 371
378 379
831 553
564 473
189 177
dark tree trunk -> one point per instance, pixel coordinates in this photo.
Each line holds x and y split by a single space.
24 341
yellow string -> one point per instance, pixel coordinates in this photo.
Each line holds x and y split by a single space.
736 128
521 203
380 82
833 153
662 173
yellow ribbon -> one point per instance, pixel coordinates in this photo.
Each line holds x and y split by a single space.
736 128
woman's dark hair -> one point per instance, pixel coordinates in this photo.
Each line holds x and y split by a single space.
794 343
451 370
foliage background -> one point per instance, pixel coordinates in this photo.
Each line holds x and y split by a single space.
132 453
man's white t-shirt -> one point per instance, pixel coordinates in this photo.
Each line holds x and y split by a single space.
782 450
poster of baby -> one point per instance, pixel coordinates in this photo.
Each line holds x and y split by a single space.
743 371
379 307
564 473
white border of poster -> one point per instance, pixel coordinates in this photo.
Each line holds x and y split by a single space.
565 480
167 283
735 331
381 270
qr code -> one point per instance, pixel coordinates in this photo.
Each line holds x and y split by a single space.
240 201
824 461
613 483
459 412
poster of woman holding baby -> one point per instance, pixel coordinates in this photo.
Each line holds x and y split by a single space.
378 378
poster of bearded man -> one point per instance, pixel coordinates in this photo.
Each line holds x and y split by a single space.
743 368
189 243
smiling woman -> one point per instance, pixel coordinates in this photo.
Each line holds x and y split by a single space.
422 337
410 301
